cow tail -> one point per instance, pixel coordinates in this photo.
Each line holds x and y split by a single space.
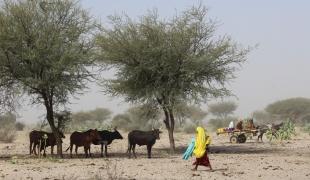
68 148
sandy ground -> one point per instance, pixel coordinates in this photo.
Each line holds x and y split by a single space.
251 160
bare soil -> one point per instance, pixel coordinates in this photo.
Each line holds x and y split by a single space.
251 160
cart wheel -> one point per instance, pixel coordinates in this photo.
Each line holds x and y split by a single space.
233 139
241 138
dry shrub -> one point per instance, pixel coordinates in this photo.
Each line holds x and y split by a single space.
19 126
307 128
7 132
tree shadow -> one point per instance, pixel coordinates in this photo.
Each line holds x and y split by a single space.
226 149
166 150
239 149
159 153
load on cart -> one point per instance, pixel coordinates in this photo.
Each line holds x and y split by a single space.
240 133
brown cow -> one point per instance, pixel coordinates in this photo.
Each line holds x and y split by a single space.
83 139
37 136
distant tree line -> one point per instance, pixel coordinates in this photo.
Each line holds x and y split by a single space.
9 126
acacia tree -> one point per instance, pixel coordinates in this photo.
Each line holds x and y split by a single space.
100 114
97 115
293 108
167 61
45 49
222 109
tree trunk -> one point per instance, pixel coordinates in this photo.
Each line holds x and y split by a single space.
50 118
169 122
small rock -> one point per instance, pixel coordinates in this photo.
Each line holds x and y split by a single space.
224 174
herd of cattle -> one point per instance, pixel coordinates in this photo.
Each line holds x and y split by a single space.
39 140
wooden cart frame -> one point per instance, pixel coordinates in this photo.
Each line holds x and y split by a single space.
240 136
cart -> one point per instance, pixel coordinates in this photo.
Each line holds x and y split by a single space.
237 136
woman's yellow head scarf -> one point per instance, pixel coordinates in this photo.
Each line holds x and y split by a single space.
200 143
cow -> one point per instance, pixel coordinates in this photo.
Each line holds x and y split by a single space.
45 138
262 129
106 138
83 139
147 138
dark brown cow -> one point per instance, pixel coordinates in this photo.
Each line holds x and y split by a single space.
147 138
36 136
106 138
83 139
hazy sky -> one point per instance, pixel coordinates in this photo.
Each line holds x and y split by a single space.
277 69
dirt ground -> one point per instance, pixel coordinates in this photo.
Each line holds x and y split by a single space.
251 160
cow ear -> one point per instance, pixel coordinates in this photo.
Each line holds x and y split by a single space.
160 132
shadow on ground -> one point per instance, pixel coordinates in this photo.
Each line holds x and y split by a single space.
240 149
226 149
158 153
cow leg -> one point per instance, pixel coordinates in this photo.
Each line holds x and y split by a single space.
76 149
34 148
105 150
30 147
44 151
71 147
39 149
52 150
149 149
89 151
101 149
129 150
86 151
134 150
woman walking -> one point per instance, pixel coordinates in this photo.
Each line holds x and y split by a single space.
201 144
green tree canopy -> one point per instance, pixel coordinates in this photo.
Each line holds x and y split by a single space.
167 61
222 109
97 115
294 108
45 49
